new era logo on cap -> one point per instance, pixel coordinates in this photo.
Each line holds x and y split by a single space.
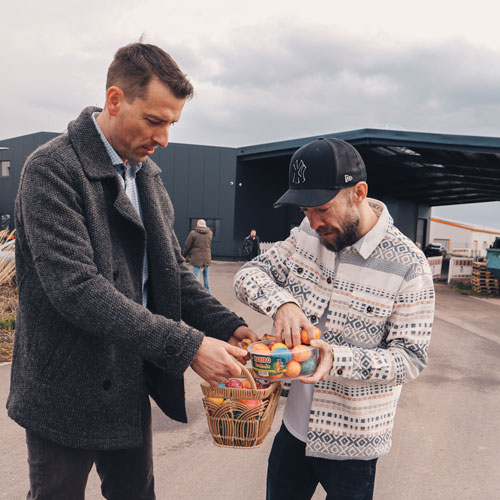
331 165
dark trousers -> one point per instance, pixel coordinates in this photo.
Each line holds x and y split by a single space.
293 476
60 473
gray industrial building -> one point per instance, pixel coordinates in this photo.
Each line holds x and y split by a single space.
234 188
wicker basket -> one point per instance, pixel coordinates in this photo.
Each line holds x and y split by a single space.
234 425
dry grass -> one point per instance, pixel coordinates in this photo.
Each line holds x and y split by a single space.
7 262
8 306
6 345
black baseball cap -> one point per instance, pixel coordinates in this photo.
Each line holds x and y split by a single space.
319 170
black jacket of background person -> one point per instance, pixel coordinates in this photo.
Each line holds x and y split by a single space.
85 348
251 247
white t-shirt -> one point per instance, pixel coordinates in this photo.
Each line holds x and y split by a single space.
299 400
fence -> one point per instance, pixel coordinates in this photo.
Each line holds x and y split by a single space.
436 264
460 269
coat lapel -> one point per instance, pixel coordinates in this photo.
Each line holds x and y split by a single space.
124 207
96 163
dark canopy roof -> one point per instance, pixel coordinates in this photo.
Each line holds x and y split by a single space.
433 169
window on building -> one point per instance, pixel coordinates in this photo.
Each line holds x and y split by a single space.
4 221
442 242
4 168
213 224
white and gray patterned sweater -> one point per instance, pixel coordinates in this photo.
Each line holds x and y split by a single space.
379 320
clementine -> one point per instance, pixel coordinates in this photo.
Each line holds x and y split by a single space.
301 352
260 347
305 336
293 368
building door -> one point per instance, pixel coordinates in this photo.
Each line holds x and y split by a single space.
421 237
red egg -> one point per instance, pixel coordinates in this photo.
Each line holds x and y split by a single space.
234 383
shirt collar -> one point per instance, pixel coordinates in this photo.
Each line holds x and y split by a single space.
135 166
367 244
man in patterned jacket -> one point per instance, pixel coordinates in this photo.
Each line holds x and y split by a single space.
349 271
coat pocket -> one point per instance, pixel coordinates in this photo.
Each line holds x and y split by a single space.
365 323
57 362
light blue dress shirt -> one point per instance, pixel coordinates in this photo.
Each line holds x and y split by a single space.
126 173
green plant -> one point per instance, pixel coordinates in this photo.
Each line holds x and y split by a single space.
8 322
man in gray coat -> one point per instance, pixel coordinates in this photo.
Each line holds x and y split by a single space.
109 313
197 248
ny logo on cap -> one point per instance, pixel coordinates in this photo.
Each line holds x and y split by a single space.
348 178
299 171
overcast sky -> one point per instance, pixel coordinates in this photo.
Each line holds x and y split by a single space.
268 70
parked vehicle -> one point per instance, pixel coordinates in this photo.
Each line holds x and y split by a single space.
434 250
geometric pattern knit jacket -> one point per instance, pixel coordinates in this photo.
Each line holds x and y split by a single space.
380 311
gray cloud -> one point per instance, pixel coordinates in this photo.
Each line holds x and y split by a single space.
266 83
261 83
273 84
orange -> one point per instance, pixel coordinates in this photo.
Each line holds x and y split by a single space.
246 384
305 336
260 347
278 345
293 368
301 352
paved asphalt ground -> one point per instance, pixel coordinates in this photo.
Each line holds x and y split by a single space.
446 437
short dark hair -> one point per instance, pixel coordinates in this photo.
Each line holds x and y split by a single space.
136 64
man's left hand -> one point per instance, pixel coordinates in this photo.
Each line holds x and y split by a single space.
241 333
325 363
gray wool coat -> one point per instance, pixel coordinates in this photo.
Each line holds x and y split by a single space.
86 351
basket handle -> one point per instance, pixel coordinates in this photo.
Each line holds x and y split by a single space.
247 374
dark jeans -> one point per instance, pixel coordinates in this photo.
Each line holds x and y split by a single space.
293 476
60 473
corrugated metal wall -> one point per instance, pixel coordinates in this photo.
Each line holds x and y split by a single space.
200 180
19 149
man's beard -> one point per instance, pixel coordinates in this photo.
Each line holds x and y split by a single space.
344 239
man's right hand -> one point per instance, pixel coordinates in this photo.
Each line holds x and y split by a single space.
214 362
288 322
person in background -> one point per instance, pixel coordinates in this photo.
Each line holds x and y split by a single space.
251 245
348 271
197 249
109 313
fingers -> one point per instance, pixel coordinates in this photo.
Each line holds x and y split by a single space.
325 364
243 332
234 370
288 322
213 361
235 351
